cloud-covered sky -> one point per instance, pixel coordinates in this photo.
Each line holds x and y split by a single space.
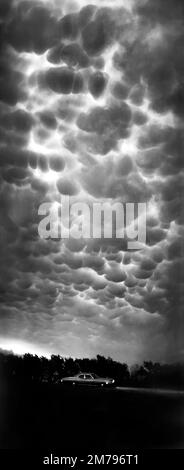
92 105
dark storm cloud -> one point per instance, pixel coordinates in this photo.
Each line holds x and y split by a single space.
71 54
64 80
67 187
116 181
48 119
11 80
91 106
108 126
57 163
18 120
101 121
99 32
97 83
162 11
31 28
159 60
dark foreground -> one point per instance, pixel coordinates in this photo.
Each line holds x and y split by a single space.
89 420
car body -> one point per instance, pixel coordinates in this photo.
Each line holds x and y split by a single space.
89 379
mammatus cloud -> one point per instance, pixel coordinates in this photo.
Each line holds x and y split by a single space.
91 106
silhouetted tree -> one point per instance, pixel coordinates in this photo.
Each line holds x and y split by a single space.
31 368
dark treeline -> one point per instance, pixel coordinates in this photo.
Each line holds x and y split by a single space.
41 369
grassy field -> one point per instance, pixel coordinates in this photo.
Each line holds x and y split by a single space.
89 420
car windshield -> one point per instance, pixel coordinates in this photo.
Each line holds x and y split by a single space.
88 376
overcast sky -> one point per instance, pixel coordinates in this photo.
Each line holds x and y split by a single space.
92 106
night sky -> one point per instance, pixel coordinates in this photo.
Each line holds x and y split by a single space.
92 106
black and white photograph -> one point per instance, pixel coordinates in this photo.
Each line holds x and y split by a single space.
91 232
